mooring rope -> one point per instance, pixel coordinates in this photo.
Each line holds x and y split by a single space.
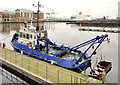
81 71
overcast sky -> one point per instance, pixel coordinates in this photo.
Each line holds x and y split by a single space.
67 8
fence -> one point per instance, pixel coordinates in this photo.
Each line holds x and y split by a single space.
39 69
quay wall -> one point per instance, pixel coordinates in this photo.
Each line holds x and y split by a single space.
100 23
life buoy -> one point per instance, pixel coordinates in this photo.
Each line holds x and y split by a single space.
3 45
27 44
30 44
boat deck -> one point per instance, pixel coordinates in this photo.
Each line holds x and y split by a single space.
66 56
43 70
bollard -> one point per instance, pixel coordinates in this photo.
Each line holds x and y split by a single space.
80 24
52 62
21 51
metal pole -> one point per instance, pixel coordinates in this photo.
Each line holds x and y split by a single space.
15 59
58 76
29 64
74 80
1 52
22 62
77 79
5 54
37 68
38 17
80 81
10 57
46 72
71 79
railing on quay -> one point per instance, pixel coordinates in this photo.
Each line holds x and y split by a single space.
40 70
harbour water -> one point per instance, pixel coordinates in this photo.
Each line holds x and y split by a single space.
71 35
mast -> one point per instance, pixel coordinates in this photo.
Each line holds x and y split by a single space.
38 17
38 6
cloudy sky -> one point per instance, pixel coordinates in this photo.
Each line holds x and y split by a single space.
67 8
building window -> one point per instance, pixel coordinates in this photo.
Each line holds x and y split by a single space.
3 16
26 15
23 14
6 16
34 37
27 36
30 15
23 35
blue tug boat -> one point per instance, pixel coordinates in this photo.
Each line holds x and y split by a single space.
34 42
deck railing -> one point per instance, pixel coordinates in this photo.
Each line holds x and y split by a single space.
40 70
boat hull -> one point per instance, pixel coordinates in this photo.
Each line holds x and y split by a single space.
59 62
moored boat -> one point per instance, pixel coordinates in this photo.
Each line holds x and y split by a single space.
35 43
103 67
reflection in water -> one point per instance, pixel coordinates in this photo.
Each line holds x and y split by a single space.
50 26
5 28
70 35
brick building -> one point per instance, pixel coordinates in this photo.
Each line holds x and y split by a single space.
23 14
0 16
41 16
12 17
5 15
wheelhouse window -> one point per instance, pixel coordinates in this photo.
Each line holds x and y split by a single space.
20 34
38 36
42 34
34 37
27 36
31 36
23 35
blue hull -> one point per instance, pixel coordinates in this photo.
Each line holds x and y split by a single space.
18 47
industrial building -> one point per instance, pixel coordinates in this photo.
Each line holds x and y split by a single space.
41 16
13 17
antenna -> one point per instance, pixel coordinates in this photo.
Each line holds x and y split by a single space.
38 6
